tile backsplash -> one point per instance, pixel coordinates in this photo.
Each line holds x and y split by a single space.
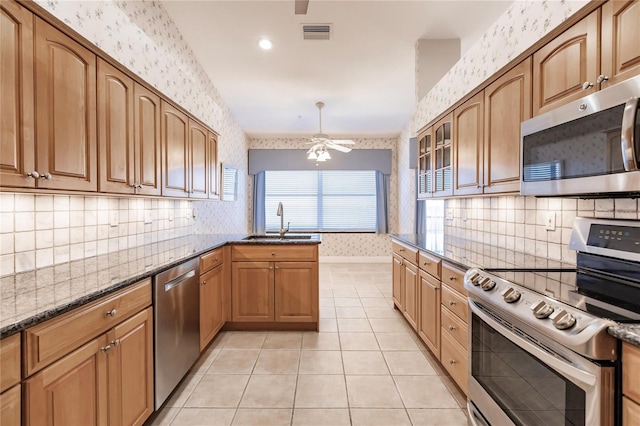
42 230
518 223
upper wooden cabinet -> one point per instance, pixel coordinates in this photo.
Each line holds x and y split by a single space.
468 120
17 149
566 68
65 112
442 173
175 147
425 163
620 41
507 103
147 143
213 169
198 160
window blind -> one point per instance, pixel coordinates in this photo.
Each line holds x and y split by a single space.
321 200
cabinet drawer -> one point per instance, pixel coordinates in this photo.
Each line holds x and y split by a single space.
454 359
453 277
430 264
211 260
630 368
9 362
454 326
630 412
407 252
55 338
248 252
455 302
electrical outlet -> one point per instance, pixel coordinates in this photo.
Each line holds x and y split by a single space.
170 215
147 217
550 221
449 214
113 218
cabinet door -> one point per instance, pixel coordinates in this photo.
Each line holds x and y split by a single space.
252 291
425 164
410 302
630 412
211 304
429 325
115 130
147 146
130 366
398 276
175 147
17 147
442 151
620 41
562 66
468 121
72 391
198 161
296 291
214 169
507 103
10 408
65 111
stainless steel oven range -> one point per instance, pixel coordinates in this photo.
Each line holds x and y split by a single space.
540 349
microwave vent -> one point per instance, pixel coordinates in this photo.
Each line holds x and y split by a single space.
316 31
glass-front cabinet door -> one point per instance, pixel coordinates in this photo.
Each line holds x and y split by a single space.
442 184
425 164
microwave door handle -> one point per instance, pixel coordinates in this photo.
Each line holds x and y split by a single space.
628 135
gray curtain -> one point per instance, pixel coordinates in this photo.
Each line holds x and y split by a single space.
418 220
382 203
258 203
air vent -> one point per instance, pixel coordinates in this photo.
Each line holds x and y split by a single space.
316 31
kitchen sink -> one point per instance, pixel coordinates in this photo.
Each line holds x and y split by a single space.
276 237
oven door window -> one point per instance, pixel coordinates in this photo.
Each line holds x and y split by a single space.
528 391
588 146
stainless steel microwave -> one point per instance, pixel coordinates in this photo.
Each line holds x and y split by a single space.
589 148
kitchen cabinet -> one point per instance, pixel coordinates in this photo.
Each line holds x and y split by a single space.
212 295
213 167
17 156
620 46
405 281
92 365
175 147
198 160
568 67
442 173
468 120
630 384
453 324
10 410
425 163
268 290
147 142
428 326
65 83
507 103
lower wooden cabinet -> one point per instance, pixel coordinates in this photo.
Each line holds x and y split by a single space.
397 274
10 409
429 306
252 292
630 412
410 302
630 384
454 359
212 315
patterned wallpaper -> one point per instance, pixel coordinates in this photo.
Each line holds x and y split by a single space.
41 230
349 245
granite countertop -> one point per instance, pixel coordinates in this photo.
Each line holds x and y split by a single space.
29 298
468 254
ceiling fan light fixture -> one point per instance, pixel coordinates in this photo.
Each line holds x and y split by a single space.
265 43
324 155
312 156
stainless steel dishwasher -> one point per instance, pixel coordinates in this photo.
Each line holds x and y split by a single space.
177 326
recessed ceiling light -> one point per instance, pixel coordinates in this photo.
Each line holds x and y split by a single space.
265 43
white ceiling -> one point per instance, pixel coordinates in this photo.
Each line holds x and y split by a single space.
365 74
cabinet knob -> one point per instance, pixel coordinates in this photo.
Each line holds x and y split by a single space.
452 278
273 253
34 174
452 361
452 302
112 313
452 327
401 249
277 267
426 263
587 85
270 267
602 78
215 260
105 349
115 342
204 282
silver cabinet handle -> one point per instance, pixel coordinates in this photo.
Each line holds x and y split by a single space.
627 135
47 176
602 78
112 313
105 349
587 85
451 327
452 302
115 342
34 174
452 278
452 361
204 282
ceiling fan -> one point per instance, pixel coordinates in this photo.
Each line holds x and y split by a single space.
321 142
301 7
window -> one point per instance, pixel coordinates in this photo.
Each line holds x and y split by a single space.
322 200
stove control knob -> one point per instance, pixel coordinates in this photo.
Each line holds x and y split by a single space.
510 295
487 284
475 278
563 320
541 309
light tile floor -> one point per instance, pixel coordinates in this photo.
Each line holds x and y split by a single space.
365 367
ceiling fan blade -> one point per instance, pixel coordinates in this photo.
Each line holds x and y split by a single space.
343 141
338 147
301 7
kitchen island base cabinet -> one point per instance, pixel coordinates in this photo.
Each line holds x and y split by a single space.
212 314
252 291
296 292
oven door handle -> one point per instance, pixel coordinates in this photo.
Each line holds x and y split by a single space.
627 134
573 373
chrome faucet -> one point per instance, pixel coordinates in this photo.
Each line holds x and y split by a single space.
281 214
